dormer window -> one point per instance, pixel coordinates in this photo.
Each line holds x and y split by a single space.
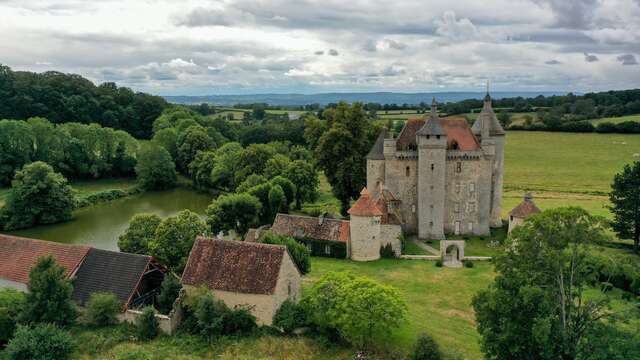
454 145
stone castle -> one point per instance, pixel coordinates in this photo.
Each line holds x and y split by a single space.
437 177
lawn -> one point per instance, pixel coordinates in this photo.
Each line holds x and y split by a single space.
616 120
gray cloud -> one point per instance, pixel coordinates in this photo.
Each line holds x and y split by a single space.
571 14
591 57
319 52
552 62
627 59
333 52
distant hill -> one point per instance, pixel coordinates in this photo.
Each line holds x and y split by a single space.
326 98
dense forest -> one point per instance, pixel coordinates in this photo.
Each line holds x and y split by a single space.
63 98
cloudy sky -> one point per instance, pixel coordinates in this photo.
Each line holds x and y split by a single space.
238 47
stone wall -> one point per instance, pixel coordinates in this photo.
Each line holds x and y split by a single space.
431 186
289 284
497 182
389 234
514 222
404 188
167 324
375 174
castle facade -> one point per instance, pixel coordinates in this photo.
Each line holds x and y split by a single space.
444 176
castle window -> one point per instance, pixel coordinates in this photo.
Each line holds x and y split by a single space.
459 167
472 188
470 226
428 137
407 171
309 247
471 207
511 218
431 206
327 250
431 223
433 166
438 137
458 188
431 187
454 145
456 207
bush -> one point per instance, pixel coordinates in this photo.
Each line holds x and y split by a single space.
209 314
7 326
238 321
103 308
147 326
439 263
299 253
468 263
11 303
169 292
425 349
386 252
155 168
290 316
43 341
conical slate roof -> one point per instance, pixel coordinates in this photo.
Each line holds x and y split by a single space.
377 150
487 116
432 125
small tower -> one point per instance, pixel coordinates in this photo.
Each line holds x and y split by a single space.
492 139
432 154
366 218
519 213
376 161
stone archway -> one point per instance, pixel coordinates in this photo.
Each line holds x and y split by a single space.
452 252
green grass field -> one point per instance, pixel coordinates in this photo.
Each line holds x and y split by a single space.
616 120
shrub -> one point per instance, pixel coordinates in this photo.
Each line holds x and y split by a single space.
468 263
299 253
425 349
7 326
103 308
439 263
169 292
290 316
209 314
41 342
147 326
11 303
238 321
386 252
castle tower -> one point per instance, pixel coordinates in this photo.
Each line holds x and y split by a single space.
375 160
492 139
366 218
432 155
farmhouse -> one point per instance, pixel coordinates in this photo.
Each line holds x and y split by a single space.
133 279
519 213
258 276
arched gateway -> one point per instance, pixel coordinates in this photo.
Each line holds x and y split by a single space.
452 252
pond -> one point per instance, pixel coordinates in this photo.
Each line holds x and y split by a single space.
100 225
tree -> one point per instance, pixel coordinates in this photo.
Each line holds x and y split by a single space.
224 171
277 201
299 253
40 342
362 310
305 178
504 118
237 212
167 138
38 196
342 149
192 140
276 166
625 204
103 308
253 160
169 292
290 316
147 326
425 349
11 303
251 181
210 315
200 169
536 307
141 231
288 188
155 168
175 237
49 296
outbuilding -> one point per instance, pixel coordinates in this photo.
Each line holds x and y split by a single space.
519 213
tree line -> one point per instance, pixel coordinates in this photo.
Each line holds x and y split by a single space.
63 98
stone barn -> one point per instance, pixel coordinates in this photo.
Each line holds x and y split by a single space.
258 276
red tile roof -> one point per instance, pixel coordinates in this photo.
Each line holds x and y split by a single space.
457 130
20 254
367 206
311 227
234 266
524 209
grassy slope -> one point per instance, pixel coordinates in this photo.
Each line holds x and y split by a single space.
616 120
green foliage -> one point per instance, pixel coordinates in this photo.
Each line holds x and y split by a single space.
468 263
223 173
155 168
253 160
361 310
305 178
276 166
319 247
237 212
536 308
102 309
169 292
425 349
386 251
190 141
439 263
174 238
625 204
11 303
38 196
141 231
239 321
49 296
168 139
71 98
209 314
147 326
40 342
277 200
16 148
608 342
299 253
200 169
290 316
348 138
251 181
288 188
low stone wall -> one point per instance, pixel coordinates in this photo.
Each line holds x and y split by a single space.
167 324
436 258
477 258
